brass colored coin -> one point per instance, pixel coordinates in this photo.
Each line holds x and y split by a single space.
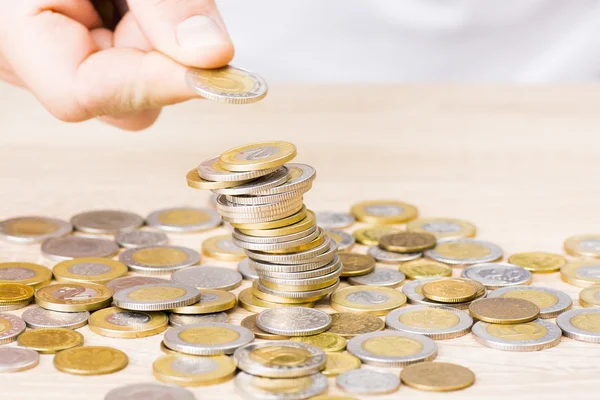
326 341
184 370
194 180
538 261
73 297
464 251
250 323
90 360
424 268
255 156
295 288
370 236
375 300
211 301
89 269
222 248
449 290
228 84
15 293
355 264
437 376
530 336
254 304
551 302
248 228
33 275
50 340
392 348
33 229
582 273
583 246
350 324
590 297
443 228
119 323
319 240
504 310
338 363
407 242
307 222
384 212
261 292
183 219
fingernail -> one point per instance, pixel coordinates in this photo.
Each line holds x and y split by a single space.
199 31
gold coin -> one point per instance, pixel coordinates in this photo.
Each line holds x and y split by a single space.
250 323
350 324
256 156
374 300
326 341
370 236
254 304
538 261
271 298
443 228
354 264
50 340
517 332
89 269
73 297
302 288
119 323
338 363
182 217
308 221
195 181
583 246
222 248
590 297
582 273
278 223
407 242
184 370
15 293
211 301
437 376
424 268
384 212
29 274
449 290
90 360
504 310
319 240
479 288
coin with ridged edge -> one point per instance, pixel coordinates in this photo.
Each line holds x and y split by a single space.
50 340
300 221
37 317
278 296
106 221
247 270
119 323
207 338
375 300
408 242
228 84
343 239
185 370
529 336
211 301
183 219
367 382
250 323
16 359
130 281
89 269
256 186
33 229
301 176
433 322
551 302
90 360
414 293
257 387
384 277
222 248
350 324
156 297
139 238
293 321
205 277
443 228
504 310
257 156
437 376
148 391
384 212
449 290
11 326
334 220
33 275
498 275
464 251
212 170
182 319
355 264
371 235
159 259
69 247
581 324
73 297
390 257
334 265
12 293
248 301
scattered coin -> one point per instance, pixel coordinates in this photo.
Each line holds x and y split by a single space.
156 297
443 228
256 156
384 212
159 259
538 261
222 248
90 360
37 317
334 220
211 301
106 221
246 269
206 277
370 236
581 324
89 269
582 273
529 336
338 363
551 302
207 338
33 275
407 242
129 281
50 340
33 229
293 321
354 264
436 323
119 323
424 268
228 84
73 297
250 323
384 277
11 326
141 238
182 319
326 341
464 252
367 382
583 246
147 391
449 290
497 275
437 376
183 219
414 293
590 297
350 324
258 387
15 294
504 310
68 247
185 370
374 300
16 359
343 240
391 257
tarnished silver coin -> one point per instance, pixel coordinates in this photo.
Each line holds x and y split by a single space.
156 297
130 281
159 259
14 359
293 321
334 220
301 175
433 322
258 387
581 324
149 391
184 219
33 229
343 239
211 170
69 247
530 336
139 238
38 317
498 274
379 277
11 326
276 178
106 221
207 338
205 277
267 359
391 257
413 292
248 271
367 381
227 84
551 302
183 319
464 251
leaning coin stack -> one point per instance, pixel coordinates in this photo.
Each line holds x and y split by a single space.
261 197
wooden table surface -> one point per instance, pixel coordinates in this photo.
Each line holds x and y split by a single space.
519 162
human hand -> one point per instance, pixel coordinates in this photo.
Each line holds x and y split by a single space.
79 69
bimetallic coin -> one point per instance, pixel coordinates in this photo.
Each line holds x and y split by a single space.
250 323
301 177
11 326
247 270
338 363
156 297
50 340
407 242
185 370
384 212
257 186
342 239
334 220
227 84
33 275
257 387
436 323
590 297
503 310
530 336
36 317
293 321
256 156
551 302
385 277
119 323
233 210
581 324
130 281
264 240
498 275
367 381
391 257
322 254
370 236
183 219
443 228
212 170
206 277
248 301
326 341
355 264
207 338
141 238
90 360
16 359
69 247
182 319
33 229
195 181
464 252
374 300
159 259
106 221
350 324
437 376
538 261
222 248
211 301
425 268
73 297
583 245
149 391
89 269
582 273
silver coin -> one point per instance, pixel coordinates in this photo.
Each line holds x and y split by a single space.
38 317
279 245
343 239
149 391
302 283
531 336
280 176
273 239
313 360
581 324
156 297
433 322
333 266
257 387
106 221
136 261
33 229
209 84
226 207
423 348
494 252
253 218
326 250
412 290
69 247
205 277
296 295
210 170
14 359
308 266
248 271
551 302
183 219
385 277
11 326
139 238
130 281
293 321
498 274
183 319
334 220
248 199
209 338
391 257
301 175
367 381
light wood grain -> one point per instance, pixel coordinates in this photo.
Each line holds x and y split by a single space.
520 162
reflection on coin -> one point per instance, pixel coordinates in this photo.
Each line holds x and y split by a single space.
33 229
342 239
206 277
583 245
159 259
185 370
33 275
538 261
73 297
89 269
590 297
106 221
498 275
384 212
293 321
257 387
334 220
149 391
139 238
374 300
222 248
260 155
253 187
90 360
130 281
248 271
15 294
464 251
425 268
581 324
338 363
183 219
156 297
37 317
443 228
354 264
227 84
582 273
370 236
207 338
66 248
391 257
119 323
551 302
250 323
15 359
385 277
437 376
212 170
326 341
11 326
50 340
350 324
211 301
367 381
530 336
182 319
504 310
436 323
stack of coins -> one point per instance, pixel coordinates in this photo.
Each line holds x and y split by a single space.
261 197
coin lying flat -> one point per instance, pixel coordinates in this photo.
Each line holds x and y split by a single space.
195 181
33 275
130 281
139 238
250 323
185 370
350 324
407 242
106 221
551 302
183 219
73 297
33 229
436 323
182 319
156 297
326 341
464 251
119 323
89 269
222 248
66 248
37 317
384 212
354 264
366 381
449 290
15 359
443 228
530 336
338 363
256 156
581 324
207 338
583 245
391 257
498 275
384 277
538 261
581 273
227 84
370 236
342 239
159 259
293 321
374 300
211 301
504 310
334 220
90 360
247 270
11 326
50 340
257 387
425 268
590 297
437 376
414 293
205 277
147 391
299 222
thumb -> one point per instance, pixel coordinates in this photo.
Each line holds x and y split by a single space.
189 31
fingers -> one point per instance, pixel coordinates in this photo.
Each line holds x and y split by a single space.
189 31
128 34
132 122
